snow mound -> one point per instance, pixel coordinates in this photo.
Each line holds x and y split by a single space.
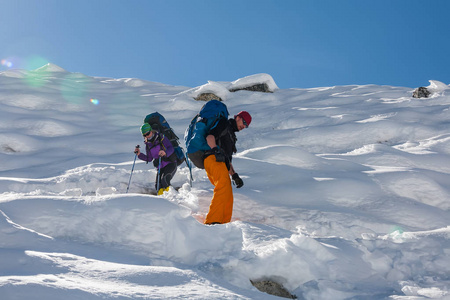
145 225
51 68
134 82
437 86
14 73
283 155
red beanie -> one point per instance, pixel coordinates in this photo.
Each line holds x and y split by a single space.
246 116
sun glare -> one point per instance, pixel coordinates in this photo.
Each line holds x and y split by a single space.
7 63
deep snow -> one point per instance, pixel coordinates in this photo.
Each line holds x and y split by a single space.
346 193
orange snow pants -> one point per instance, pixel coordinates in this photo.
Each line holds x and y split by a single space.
221 206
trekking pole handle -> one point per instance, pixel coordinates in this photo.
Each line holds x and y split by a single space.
137 146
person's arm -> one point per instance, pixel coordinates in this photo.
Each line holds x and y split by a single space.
231 171
145 157
211 140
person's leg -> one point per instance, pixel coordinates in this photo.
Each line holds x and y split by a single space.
221 207
169 172
165 176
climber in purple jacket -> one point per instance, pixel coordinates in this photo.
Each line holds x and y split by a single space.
158 146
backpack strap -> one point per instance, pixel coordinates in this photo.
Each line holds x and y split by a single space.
161 141
173 156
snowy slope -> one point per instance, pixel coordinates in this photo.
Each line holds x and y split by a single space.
346 193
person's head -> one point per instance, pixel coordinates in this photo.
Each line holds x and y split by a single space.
146 130
243 120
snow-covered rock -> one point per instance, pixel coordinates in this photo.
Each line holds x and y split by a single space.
254 80
213 88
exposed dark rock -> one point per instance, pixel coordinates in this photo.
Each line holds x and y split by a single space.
260 87
207 97
273 288
421 92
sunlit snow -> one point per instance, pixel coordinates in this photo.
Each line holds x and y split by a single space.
346 193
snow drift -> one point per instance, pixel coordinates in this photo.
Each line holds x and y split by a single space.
346 193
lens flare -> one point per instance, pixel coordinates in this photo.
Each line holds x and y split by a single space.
95 101
34 62
396 229
74 90
7 63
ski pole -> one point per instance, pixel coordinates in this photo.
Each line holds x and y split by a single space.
129 181
159 171
188 163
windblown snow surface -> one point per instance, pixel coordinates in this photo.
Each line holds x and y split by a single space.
346 194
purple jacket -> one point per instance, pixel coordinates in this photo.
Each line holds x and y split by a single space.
152 150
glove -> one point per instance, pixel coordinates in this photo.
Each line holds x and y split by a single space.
220 157
237 180
136 150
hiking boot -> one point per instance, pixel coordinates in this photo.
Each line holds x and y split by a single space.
161 190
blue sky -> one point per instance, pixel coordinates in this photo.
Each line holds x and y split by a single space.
301 44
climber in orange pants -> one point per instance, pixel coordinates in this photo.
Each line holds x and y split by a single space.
221 207
217 162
